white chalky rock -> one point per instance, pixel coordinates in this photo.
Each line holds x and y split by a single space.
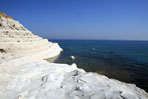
17 41
25 75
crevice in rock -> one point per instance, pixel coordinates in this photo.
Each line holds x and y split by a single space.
122 96
44 79
2 51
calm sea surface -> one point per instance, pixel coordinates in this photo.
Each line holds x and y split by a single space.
123 60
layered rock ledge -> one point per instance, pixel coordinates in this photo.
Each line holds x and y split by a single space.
17 41
24 74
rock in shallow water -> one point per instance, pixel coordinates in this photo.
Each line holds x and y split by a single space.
25 75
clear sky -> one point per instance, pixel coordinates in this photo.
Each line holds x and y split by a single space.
82 19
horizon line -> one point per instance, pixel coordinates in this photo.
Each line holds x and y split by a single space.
94 39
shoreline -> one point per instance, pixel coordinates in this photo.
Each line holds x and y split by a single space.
100 72
112 65
25 73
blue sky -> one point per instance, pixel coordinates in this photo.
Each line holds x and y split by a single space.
82 19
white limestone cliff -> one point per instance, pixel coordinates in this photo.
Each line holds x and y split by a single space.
24 74
17 41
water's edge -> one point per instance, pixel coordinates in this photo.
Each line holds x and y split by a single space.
114 59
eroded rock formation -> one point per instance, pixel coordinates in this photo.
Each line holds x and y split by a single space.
17 41
25 75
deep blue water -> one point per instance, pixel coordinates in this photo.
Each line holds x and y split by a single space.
123 60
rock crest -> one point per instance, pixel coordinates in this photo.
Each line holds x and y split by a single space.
4 15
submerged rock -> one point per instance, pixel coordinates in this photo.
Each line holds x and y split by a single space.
25 75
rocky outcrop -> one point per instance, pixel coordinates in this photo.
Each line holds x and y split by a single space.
43 80
25 75
17 41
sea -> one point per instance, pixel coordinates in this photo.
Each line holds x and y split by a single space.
126 61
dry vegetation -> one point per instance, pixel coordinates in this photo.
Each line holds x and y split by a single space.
4 15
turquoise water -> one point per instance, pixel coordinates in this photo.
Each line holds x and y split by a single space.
123 60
